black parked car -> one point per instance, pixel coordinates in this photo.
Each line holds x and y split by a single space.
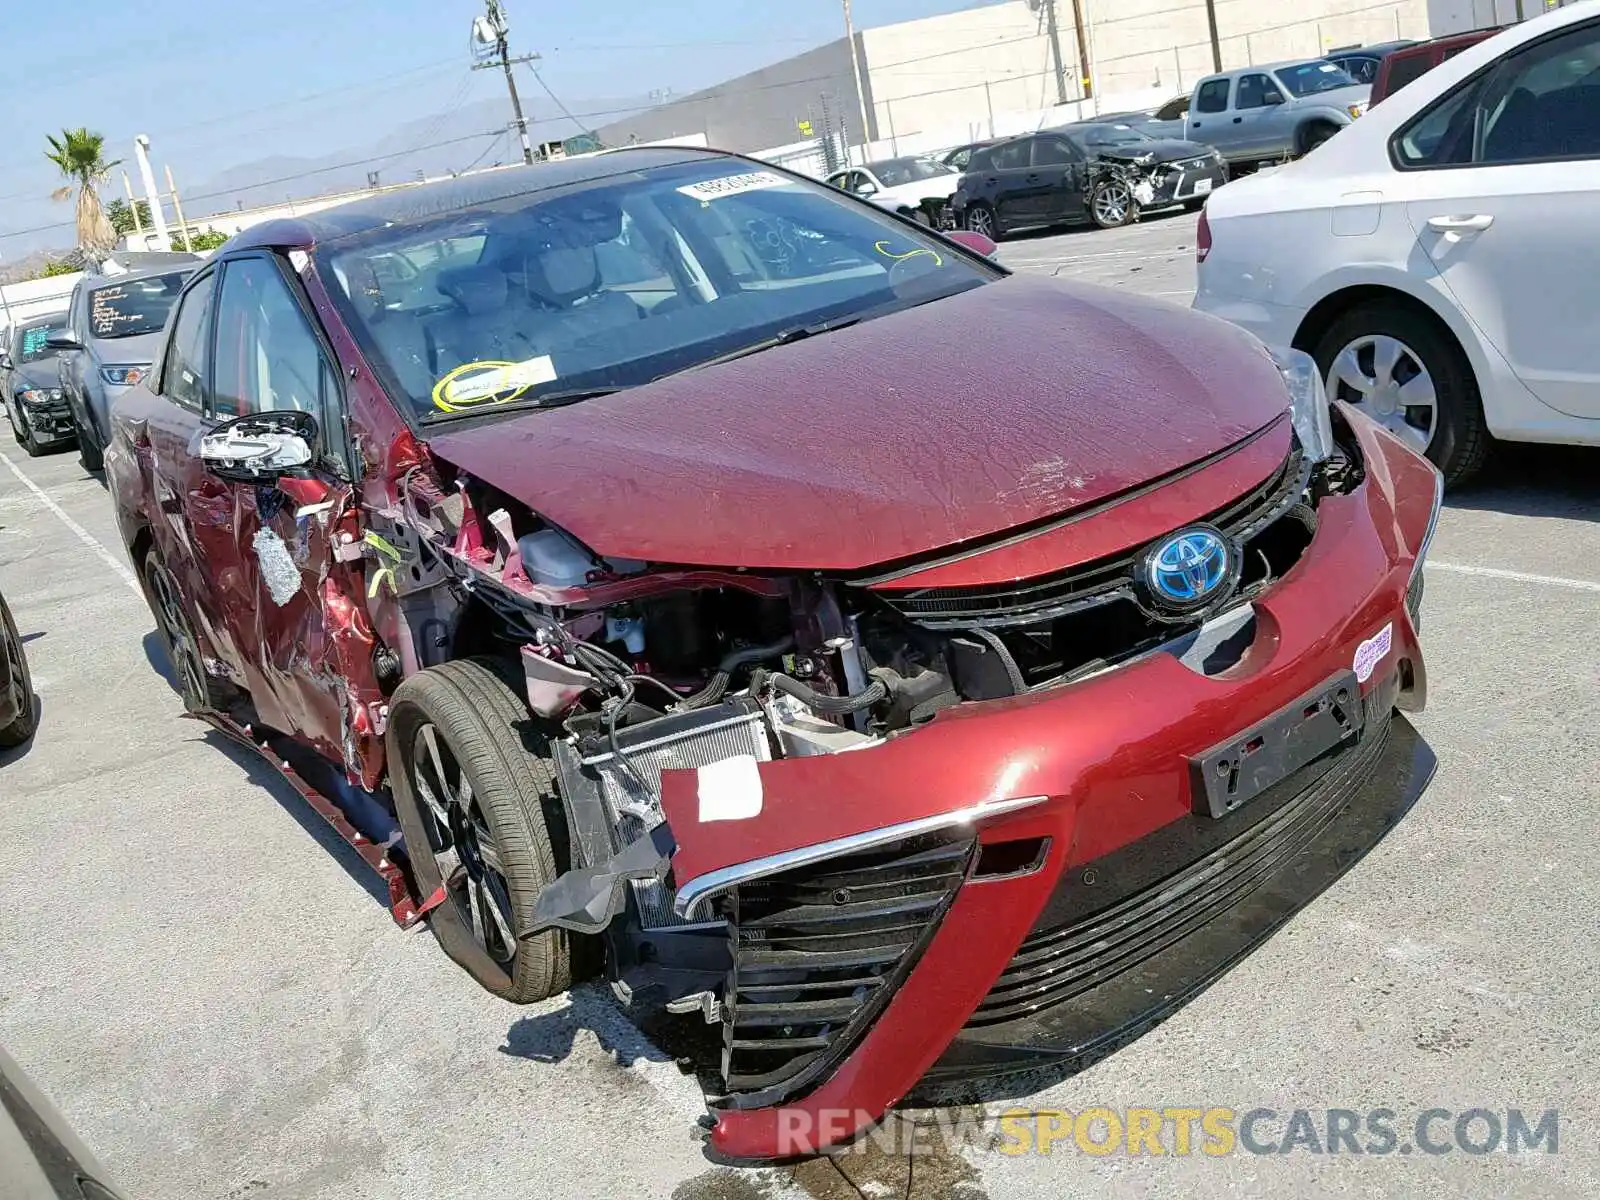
1361 62
1096 171
30 387
17 714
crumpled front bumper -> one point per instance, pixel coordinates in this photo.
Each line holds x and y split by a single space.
1098 772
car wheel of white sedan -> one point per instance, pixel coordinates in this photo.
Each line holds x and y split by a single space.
1399 368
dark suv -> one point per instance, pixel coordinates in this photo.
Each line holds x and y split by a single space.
30 389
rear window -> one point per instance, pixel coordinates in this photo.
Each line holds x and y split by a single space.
118 310
1013 156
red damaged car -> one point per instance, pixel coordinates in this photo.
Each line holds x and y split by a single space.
663 564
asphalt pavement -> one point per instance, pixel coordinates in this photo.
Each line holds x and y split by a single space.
208 984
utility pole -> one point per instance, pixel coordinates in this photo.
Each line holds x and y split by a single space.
1085 69
855 65
1216 42
1055 47
492 32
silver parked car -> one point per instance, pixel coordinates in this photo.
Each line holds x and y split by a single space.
1276 111
112 332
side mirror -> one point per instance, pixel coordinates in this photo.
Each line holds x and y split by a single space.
62 340
864 190
1272 98
975 242
261 448
5 361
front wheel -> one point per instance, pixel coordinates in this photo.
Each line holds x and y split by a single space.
23 432
90 452
476 794
981 219
1111 204
1404 371
1315 134
20 685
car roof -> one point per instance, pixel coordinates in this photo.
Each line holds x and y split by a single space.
1255 68
95 282
1376 50
38 322
425 200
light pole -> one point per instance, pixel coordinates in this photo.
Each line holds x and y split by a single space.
141 153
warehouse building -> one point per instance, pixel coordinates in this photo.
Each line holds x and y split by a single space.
967 72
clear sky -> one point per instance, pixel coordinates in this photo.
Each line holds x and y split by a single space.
220 84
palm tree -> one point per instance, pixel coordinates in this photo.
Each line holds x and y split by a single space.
79 155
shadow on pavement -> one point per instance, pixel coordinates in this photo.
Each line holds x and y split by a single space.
265 776
549 1037
18 752
1536 481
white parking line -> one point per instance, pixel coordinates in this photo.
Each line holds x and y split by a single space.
1576 585
122 569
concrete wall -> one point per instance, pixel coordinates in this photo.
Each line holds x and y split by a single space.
972 68
762 108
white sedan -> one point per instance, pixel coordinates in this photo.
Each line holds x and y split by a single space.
901 185
1440 258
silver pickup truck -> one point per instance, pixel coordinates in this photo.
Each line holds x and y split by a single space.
1280 110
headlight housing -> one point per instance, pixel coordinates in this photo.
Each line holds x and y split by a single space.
1308 402
38 397
125 376
1414 585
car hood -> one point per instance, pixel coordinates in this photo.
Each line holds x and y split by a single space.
42 373
1009 403
1158 151
140 348
940 187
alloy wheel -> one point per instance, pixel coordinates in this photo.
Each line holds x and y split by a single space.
180 638
1111 203
1387 380
463 845
981 220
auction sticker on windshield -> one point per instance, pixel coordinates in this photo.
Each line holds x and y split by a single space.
732 185
490 381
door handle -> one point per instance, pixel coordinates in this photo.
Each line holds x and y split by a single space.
1472 224
1236 120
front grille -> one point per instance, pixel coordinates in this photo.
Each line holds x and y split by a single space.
817 952
1103 581
1055 966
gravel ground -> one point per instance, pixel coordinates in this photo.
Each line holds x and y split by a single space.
210 988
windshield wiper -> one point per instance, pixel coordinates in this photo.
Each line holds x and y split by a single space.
783 337
543 400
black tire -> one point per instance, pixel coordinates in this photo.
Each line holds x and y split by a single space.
1461 442
1312 135
980 218
1193 206
483 732
1097 202
91 453
26 721
24 434
177 634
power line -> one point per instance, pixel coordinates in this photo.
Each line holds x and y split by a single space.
557 99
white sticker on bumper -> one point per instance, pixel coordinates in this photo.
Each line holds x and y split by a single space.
730 790
1372 652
